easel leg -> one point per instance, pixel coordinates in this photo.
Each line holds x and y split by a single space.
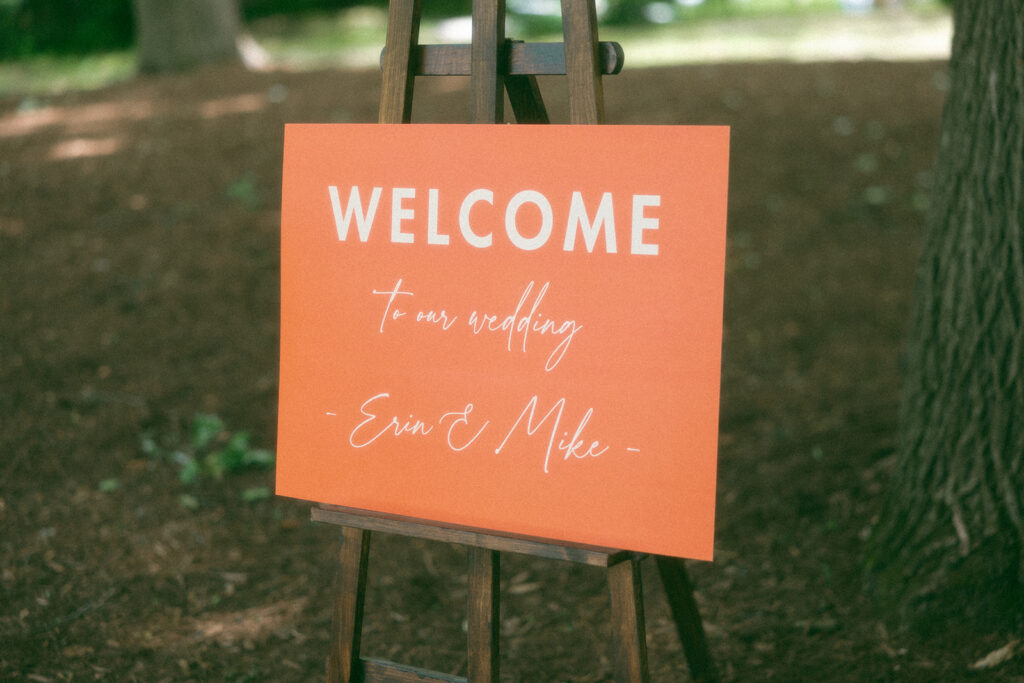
579 27
488 58
629 636
679 592
398 72
527 103
347 625
484 615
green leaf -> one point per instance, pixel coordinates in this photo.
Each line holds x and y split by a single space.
110 485
245 191
876 195
149 446
190 472
188 502
256 494
205 428
259 457
214 465
239 441
224 462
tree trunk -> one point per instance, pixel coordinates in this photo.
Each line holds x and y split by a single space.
954 522
181 34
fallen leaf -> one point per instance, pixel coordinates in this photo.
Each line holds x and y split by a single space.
76 651
523 588
996 657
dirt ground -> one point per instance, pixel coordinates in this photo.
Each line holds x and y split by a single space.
139 287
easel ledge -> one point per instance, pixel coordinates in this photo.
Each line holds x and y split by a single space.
469 536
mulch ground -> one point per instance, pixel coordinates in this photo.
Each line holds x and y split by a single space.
139 287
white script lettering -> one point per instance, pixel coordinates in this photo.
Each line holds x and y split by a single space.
570 447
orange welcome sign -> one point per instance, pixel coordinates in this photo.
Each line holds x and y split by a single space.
512 328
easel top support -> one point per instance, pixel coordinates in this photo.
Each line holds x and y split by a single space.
496 64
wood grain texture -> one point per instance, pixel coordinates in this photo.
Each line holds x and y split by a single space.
525 98
629 640
347 623
521 59
398 68
382 671
487 96
586 97
484 615
525 545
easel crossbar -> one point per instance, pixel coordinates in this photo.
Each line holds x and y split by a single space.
524 59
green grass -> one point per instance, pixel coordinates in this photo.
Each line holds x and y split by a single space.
351 37
46 75
811 36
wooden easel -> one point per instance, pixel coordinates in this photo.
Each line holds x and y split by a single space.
496 66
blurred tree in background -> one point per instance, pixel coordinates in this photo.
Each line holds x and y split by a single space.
74 27
30 27
63 26
186 33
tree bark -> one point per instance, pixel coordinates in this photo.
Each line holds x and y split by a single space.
173 35
955 516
